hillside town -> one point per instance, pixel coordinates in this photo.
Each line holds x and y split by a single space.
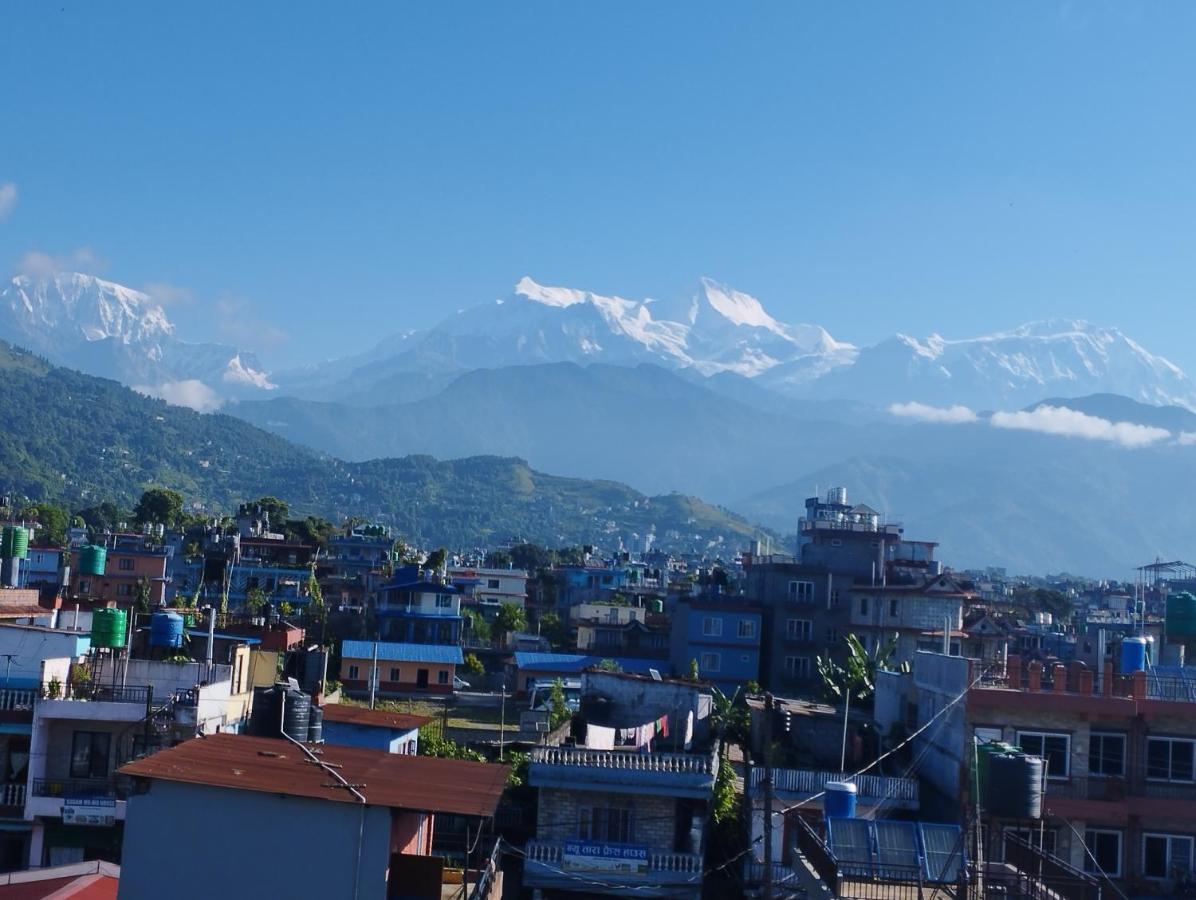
843 716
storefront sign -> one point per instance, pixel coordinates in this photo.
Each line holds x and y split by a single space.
629 859
98 811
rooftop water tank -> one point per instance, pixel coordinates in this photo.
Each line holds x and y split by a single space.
656 605
1181 615
839 800
281 707
108 628
92 560
837 495
315 729
14 542
166 630
1133 655
1014 786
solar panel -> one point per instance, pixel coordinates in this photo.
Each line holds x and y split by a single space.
897 851
942 852
851 841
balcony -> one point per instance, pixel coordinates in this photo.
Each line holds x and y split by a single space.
665 874
1075 680
47 796
12 801
872 790
667 774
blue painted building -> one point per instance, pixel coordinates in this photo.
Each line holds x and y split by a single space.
722 635
372 729
419 607
531 667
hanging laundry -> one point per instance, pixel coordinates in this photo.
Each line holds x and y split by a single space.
599 737
689 729
664 725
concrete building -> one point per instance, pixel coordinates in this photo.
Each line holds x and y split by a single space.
374 729
722 636
486 589
399 668
365 818
418 607
131 564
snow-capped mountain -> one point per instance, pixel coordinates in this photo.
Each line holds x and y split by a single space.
110 330
1007 370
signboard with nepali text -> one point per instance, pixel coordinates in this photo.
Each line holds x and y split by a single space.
627 859
96 811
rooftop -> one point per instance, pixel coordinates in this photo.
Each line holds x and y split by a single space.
93 880
372 718
392 652
276 766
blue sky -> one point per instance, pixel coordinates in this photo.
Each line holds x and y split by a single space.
309 177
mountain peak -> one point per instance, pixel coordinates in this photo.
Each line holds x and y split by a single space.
735 306
530 289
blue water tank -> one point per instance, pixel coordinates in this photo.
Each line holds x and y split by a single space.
166 630
839 800
1133 654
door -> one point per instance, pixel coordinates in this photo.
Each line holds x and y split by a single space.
421 678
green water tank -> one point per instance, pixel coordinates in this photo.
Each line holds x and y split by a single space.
92 560
108 628
14 542
656 605
984 753
1181 615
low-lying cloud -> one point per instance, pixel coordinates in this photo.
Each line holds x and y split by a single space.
36 264
1066 422
8 198
191 392
923 412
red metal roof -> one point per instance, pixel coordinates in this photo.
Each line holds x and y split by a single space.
60 882
374 718
277 766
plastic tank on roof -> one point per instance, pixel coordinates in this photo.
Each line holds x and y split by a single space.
1181 615
14 542
1133 655
109 628
1015 786
92 560
166 630
839 800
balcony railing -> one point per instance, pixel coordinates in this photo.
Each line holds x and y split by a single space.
12 795
869 788
665 763
1135 783
673 866
115 786
1172 684
98 693
17 699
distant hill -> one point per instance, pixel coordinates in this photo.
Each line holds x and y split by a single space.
75 438
1117 408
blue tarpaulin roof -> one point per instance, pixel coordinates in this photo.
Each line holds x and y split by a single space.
575 662
391 652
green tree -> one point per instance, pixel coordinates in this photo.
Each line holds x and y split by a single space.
53 522
530 557
278 510
497 559
433 743
552 628
102 517
723 803
473 665
858 676
478 626
160 506
609 665
511 618
694 674
558 707
255 600
435 560
143 595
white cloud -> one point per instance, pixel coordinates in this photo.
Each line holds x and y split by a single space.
167 294
191 393
1186 438
1070 423
36 264
8 198
239 325
924 413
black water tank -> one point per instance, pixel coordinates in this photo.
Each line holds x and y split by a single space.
1015 786
266 714
315 728
297 719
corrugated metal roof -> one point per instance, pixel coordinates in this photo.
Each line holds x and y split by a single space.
374 718
390 652
574 662
277 766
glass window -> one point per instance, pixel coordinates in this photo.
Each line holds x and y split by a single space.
1106 755
798 629
125 564
444 601
89 754
712 627
1104 852
797 666
747 628
893 608
863 606
492 584
1169 759
1055 749
394 674
607 824
1166 855
442 676
711 662
801 591
354 673
832 635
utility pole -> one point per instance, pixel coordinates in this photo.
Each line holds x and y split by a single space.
768 710
846 709
374 676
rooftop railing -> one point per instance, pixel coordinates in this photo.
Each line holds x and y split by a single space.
869 787
686 865
99 693
665 763
1172 685
114 786
17 699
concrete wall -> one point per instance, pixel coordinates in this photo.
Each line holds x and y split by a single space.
653 819
642 699
29 647
259 844
938 680
407 674
392 741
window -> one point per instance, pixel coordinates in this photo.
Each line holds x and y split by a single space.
832 635
607 824
89 754
836 542
801 591
893 608
1106 755
797 666
84 586
1166 855
747 628
492 584
798 629
394 674
442 676
710 662
863 606
124 564
1104 852
1055 749
1169 759
354 673
124 590
834 596
712 627
444 601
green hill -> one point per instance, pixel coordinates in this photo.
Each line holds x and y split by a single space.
75 439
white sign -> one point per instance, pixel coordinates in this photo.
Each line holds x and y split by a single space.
95 811
627 859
